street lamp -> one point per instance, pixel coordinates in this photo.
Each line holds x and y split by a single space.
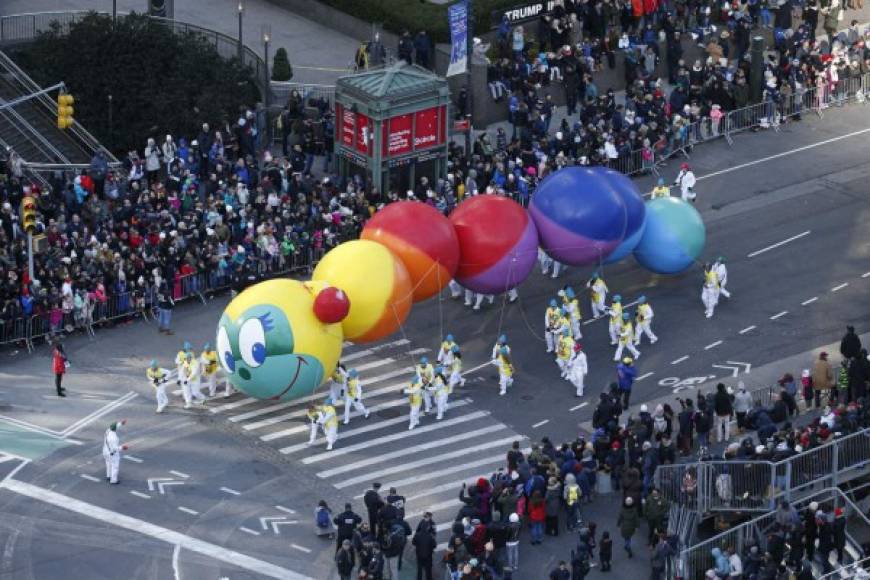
241 18
267 85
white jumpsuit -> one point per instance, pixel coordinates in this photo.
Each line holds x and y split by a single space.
599 296
353 394
626 340
710 293
158 378
722 273
190 383
578 371
329 421
615 313
112 454
441 392
686 182
644 324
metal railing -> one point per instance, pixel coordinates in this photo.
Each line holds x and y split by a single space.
19 28
753 486
857 570
695 560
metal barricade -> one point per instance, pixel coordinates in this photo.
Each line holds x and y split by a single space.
13 331
743 486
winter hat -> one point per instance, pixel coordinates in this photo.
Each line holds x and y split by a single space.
514 518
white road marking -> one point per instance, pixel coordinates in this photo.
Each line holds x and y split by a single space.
176 569
84 421
452 485
230 491
140 494
350 432
713 345
302 412
865 275
37 429
249 531
433 475
679 360
233 405
426 461
300 548
373 350
809 301
300 402
220 553
580 406
784 153
89 477
408 450
404 434
778 244
540 423
434 508
187 510
779 315
132 458
284 509
640 378
388 360
624 306
840 287
747 329
179 474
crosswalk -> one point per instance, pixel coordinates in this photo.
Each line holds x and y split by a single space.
427 465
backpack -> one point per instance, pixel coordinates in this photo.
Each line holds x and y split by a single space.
396 538
322 519
573 495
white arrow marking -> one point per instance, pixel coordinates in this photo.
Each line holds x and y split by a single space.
160 485
747 366
160 482
734 370
264 522
287 523
179 474
152 482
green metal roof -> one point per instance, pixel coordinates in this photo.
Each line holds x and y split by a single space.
393 81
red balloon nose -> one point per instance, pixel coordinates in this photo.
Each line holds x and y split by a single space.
331 305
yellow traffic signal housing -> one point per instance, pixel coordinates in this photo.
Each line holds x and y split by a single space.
65 111
28 215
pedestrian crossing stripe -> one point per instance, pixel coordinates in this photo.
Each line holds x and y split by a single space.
374 350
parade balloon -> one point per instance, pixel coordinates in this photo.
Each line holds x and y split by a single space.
272 345
377 285
673 237
498 243
580 215
635 210
423 239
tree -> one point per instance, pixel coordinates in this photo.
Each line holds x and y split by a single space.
161 82
281 69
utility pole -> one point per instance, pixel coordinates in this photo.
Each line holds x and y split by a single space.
241 37
469 99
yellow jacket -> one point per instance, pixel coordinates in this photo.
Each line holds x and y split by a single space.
598 289
354 391
661 191
565 348
616 312
626 333
329 418
505 368
415 395
157 376
644 312
711 279
209 362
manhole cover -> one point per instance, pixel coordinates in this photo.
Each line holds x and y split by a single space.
527 397
388 413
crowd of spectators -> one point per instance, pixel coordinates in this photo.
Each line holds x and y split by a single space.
563 52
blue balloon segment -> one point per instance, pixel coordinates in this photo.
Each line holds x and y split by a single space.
580 215
673 237
635 211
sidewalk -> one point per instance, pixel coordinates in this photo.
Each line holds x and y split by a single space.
317 53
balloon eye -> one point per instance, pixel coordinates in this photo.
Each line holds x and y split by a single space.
230 362
252 342
227 359
258 351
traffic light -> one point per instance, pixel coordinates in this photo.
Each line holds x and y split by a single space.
28 215
65 111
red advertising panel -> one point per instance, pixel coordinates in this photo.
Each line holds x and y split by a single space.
397 140
363 133
427 132
348 127
339 115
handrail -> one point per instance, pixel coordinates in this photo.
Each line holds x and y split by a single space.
850 569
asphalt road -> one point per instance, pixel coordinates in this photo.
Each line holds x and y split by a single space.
61 518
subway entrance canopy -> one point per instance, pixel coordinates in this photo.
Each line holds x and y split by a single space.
391 126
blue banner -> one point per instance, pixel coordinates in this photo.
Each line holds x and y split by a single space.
458 17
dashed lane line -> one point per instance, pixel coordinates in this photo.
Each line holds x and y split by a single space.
840 287
865 275
285 510
713 345
89 477
230 491
540 423
778 244
179 474
779 315
140 494
679 360
809 301
747 329
300 548
132 458
580 406
642 377
187 510
249 531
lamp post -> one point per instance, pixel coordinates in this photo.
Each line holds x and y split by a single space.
111 136
469 98
267 85
241 38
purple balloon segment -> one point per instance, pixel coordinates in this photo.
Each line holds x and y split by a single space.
573 248
511 270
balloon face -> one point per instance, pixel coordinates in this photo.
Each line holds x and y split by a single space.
270 343
377 285
673 238
635 211
498 243
423 239
580 215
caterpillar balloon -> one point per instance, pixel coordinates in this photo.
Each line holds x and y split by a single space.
281 339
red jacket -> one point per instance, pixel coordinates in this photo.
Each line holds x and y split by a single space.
537 511
57 363
650 6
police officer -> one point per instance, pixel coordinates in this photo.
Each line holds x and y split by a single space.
397 501
374 502
345 523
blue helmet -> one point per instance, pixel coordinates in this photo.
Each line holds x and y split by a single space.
449 338
553 303
569 292
206 346
641 300
153 363
503 339
625 315
186 345
617 298
595 274
328 400
455 349
353 373
564 311
503 350
661 181
416 379
439 370
424 360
